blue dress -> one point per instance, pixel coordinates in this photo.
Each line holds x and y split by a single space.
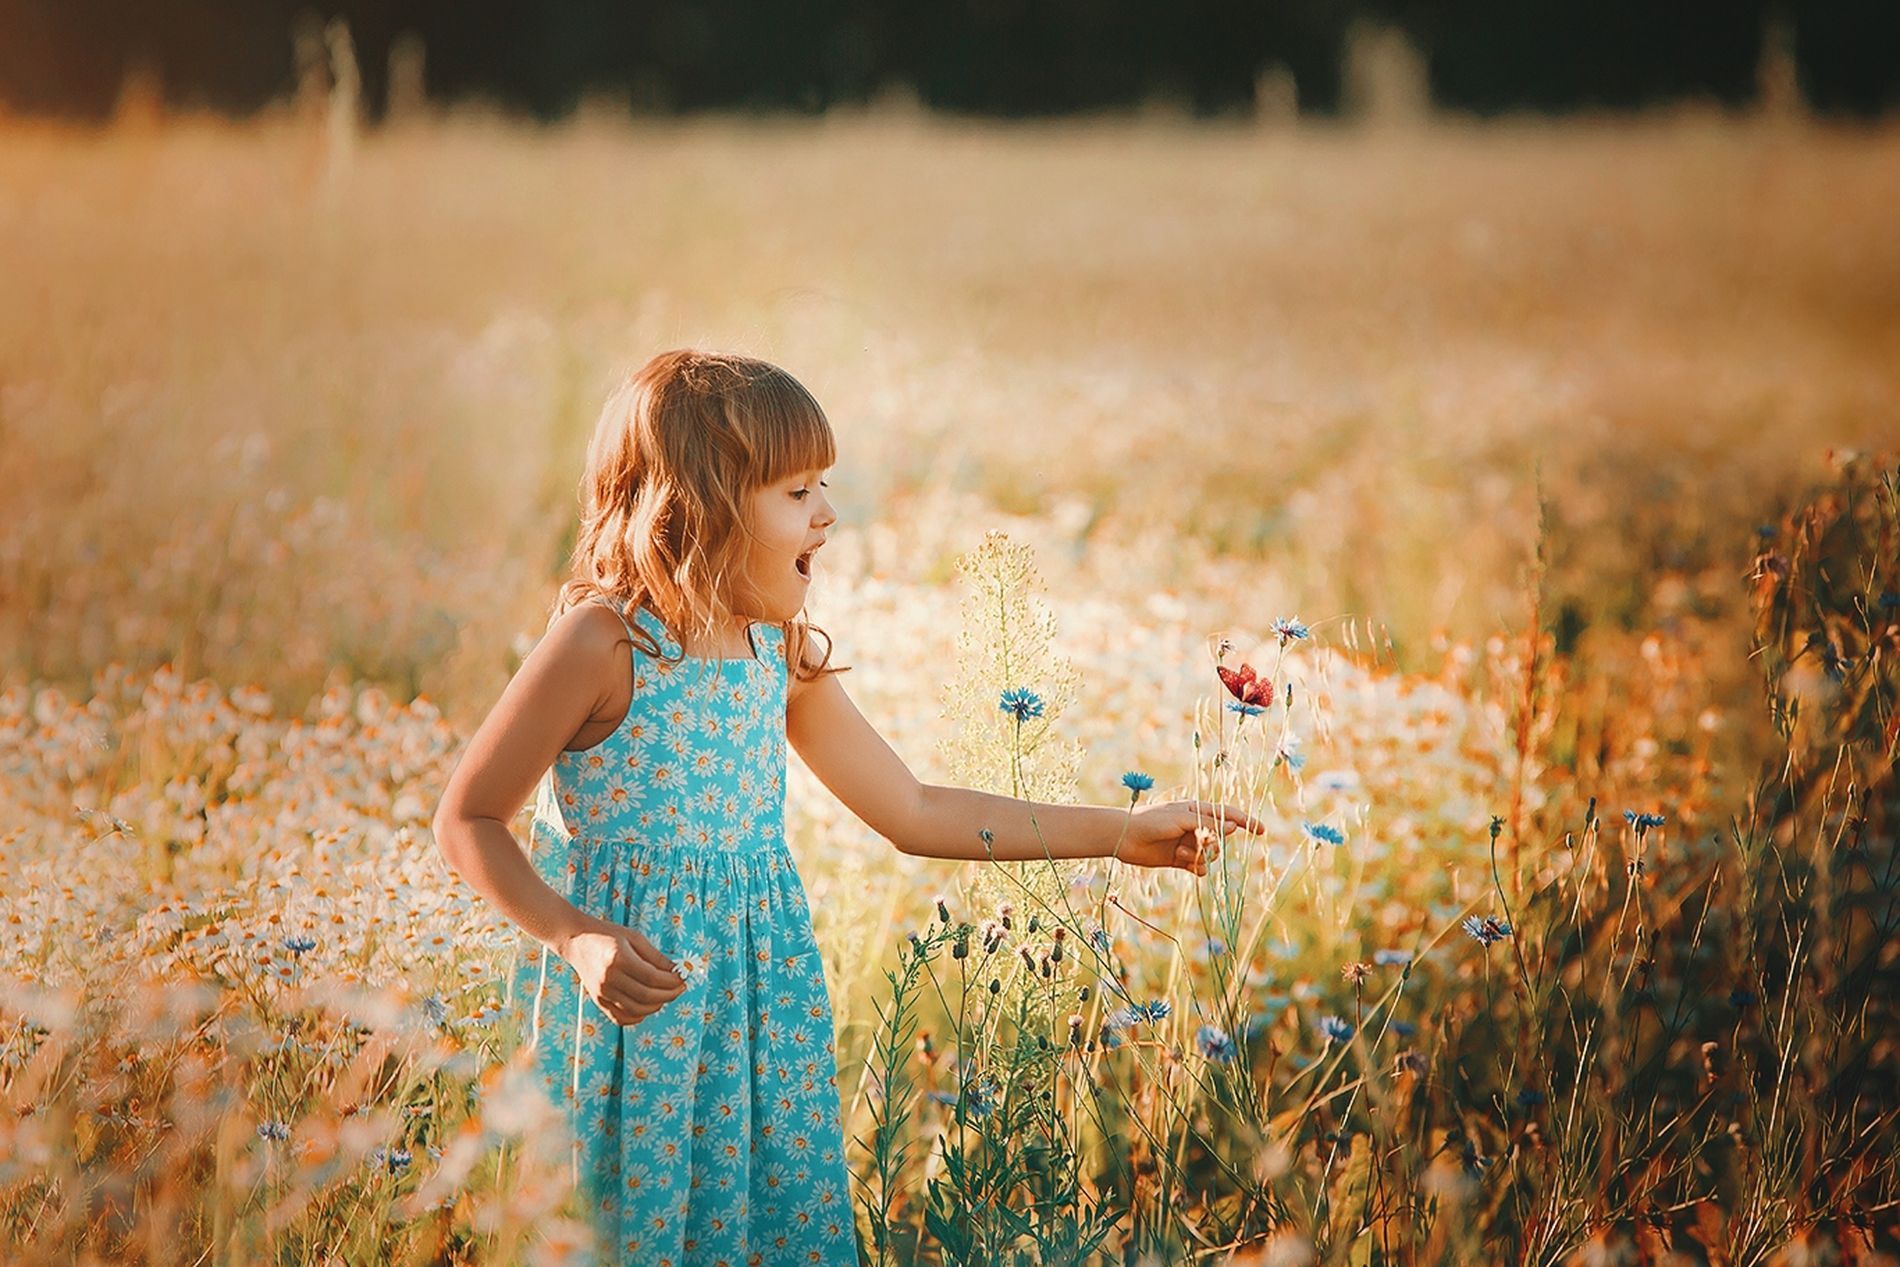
709 1134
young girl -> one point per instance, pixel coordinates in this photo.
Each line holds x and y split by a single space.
672 987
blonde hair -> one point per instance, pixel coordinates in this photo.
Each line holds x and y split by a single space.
680 446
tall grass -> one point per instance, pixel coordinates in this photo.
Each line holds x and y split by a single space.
1655 1046
288 451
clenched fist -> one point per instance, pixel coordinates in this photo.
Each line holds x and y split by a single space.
623 973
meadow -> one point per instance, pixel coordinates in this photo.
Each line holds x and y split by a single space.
1546 468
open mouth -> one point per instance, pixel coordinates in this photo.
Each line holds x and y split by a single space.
802 565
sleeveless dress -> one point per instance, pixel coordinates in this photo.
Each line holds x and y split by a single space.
709 1134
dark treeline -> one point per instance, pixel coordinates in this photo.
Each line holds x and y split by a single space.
1006 57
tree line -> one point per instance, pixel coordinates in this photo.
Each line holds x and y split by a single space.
992 57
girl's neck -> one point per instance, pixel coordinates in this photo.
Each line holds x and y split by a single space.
733 629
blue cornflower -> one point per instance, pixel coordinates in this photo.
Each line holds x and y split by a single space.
1486 930
982 1096
1214 947
1325 833
1134 1013
1244 709
393 1158
1404 1029
1099 938
1214 1043
300 944
1136 782
273 1130
1288 629
1022 702
1530 1098
1391 958
1336 1029
1110 1039
1642 822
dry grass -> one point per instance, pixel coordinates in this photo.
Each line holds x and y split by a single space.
304 425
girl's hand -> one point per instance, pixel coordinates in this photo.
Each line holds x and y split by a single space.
1169 834
622 972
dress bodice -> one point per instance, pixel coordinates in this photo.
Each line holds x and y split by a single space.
698 760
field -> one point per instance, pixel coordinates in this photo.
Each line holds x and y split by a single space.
1570 444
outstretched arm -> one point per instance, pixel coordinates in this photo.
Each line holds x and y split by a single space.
933 821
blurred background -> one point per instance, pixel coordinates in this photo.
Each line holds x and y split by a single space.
1538 358
987 57
309 311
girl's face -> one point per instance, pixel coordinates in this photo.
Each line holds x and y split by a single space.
789 519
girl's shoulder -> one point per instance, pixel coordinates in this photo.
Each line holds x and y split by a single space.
590 636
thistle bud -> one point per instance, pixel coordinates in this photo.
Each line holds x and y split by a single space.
943 909
996 986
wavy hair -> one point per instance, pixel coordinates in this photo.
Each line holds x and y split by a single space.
680 446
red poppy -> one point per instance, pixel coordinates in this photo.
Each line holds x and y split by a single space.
1244 686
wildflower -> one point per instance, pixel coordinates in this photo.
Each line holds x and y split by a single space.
1245 710
300 944
1642 822
1214 947
1214 1043
1110 1039
1324 833
943 909
1409 1061
1336 1029
1288 629
1246 687
273 1130
1355 974
1136 782
986 835
1135 1013
1530 1098
437 1008
1022 702
1099 938
1391 958
392 1158
1487 930
1404 1029
1075 1029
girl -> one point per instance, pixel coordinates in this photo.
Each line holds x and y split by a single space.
671 984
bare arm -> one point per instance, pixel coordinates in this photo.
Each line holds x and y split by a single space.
572 674
932 821
564 680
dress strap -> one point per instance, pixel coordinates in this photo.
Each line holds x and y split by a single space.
618 609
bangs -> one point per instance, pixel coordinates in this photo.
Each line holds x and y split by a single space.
792 432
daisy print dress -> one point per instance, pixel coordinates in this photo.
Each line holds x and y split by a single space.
709 1135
